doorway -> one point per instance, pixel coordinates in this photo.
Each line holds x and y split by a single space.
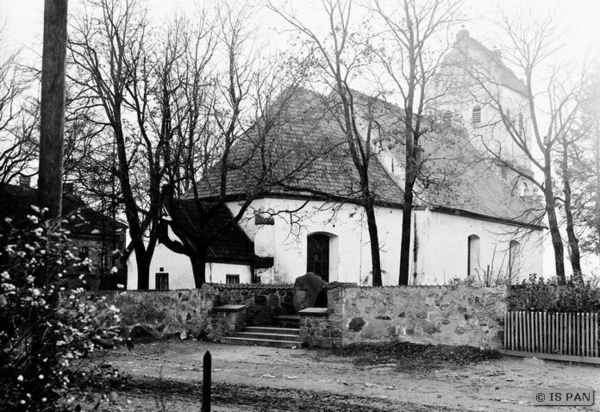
317 260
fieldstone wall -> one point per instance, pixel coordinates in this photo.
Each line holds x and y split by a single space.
228 319
169 313
459 315
264 301
166 313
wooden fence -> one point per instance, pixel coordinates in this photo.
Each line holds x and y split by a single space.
548 335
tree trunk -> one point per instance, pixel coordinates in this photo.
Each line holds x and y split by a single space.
143 265
407 207
53 106
557 245
406 234
199 267
572 237
374 241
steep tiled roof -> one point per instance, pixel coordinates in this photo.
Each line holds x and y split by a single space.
230 242
453 175
306 150
456 178
304 153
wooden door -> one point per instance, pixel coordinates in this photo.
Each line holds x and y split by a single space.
318 255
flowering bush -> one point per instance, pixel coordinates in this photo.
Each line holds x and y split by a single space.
43 326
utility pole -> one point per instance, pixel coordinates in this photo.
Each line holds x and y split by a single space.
53 106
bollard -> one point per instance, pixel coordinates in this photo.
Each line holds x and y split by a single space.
206 382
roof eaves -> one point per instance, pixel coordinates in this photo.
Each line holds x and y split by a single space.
480 216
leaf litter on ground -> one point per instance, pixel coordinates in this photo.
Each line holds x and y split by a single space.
412 356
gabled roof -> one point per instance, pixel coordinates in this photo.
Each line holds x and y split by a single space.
463 49
16 201
230 243
307 149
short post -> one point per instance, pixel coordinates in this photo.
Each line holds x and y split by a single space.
206 382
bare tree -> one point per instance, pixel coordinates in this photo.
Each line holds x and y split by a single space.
580 162
409 50
544 99
18 120
111 47
338 59
231 135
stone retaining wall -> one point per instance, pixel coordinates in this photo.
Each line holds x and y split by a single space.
452 315
165 313
459 315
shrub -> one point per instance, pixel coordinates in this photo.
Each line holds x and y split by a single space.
536 294
43 326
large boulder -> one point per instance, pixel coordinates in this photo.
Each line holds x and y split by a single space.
309 291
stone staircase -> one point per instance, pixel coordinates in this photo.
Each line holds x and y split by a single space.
266 336
287 336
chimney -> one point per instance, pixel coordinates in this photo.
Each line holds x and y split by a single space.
24 181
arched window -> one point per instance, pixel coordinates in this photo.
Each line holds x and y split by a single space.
473 255
514 261
476 115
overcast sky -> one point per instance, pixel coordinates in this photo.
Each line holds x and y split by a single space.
579 19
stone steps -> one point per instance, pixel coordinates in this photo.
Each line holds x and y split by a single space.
265 336
289 321
272 330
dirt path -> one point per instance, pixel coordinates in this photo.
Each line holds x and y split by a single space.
505 384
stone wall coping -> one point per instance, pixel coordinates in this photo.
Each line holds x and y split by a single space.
313 312
408 287
229 308
251 285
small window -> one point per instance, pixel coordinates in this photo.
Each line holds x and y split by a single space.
473 246
263 220
162 281
476 115
232 279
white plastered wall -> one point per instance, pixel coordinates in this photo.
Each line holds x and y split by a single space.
179 268
443 248
350 254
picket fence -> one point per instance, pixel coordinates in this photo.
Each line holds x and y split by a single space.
549 335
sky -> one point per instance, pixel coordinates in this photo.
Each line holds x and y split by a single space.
578 18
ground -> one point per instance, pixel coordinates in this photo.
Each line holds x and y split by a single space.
166 376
